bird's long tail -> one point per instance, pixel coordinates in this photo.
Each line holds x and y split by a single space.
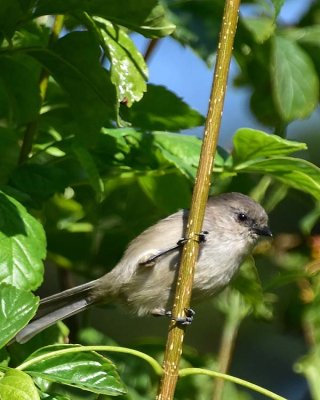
57 307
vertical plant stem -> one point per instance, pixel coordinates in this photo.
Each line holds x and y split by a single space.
199 199
227 345
32 127
228 339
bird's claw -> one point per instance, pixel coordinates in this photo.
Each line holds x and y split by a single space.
187 320
201 238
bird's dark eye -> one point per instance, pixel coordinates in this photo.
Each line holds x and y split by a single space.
242 217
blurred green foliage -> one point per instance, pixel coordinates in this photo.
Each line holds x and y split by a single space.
97 155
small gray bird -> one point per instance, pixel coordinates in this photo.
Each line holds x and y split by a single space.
144 279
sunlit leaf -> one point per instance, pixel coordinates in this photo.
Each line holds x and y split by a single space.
147 18
182 150
31 34
294 172
17 308
23 245
17 385
170 191
294 79
85 370
128 69
161 109
260 27
250 144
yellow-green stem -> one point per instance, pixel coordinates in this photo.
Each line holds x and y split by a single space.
229 336
199 199
192 371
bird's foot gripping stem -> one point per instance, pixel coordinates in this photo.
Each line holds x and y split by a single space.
201 238
187 320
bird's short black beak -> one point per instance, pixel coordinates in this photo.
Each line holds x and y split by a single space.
262 231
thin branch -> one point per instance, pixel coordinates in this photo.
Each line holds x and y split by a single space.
230 378
199 199
32 127
152 44
229 335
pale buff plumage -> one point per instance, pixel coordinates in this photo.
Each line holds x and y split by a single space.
234 223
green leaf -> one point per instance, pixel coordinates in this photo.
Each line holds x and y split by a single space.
250 144
245 295
260 27
161 109
23 245
294 172
137 150
19 91
17 308
169 191
129 71
294 79
248 284
85 370
9 152
11 12
310 219
277 4
31 34
147 17
64 214
87 162
306 35
74 63
181 150
39 181
198 24
17 385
